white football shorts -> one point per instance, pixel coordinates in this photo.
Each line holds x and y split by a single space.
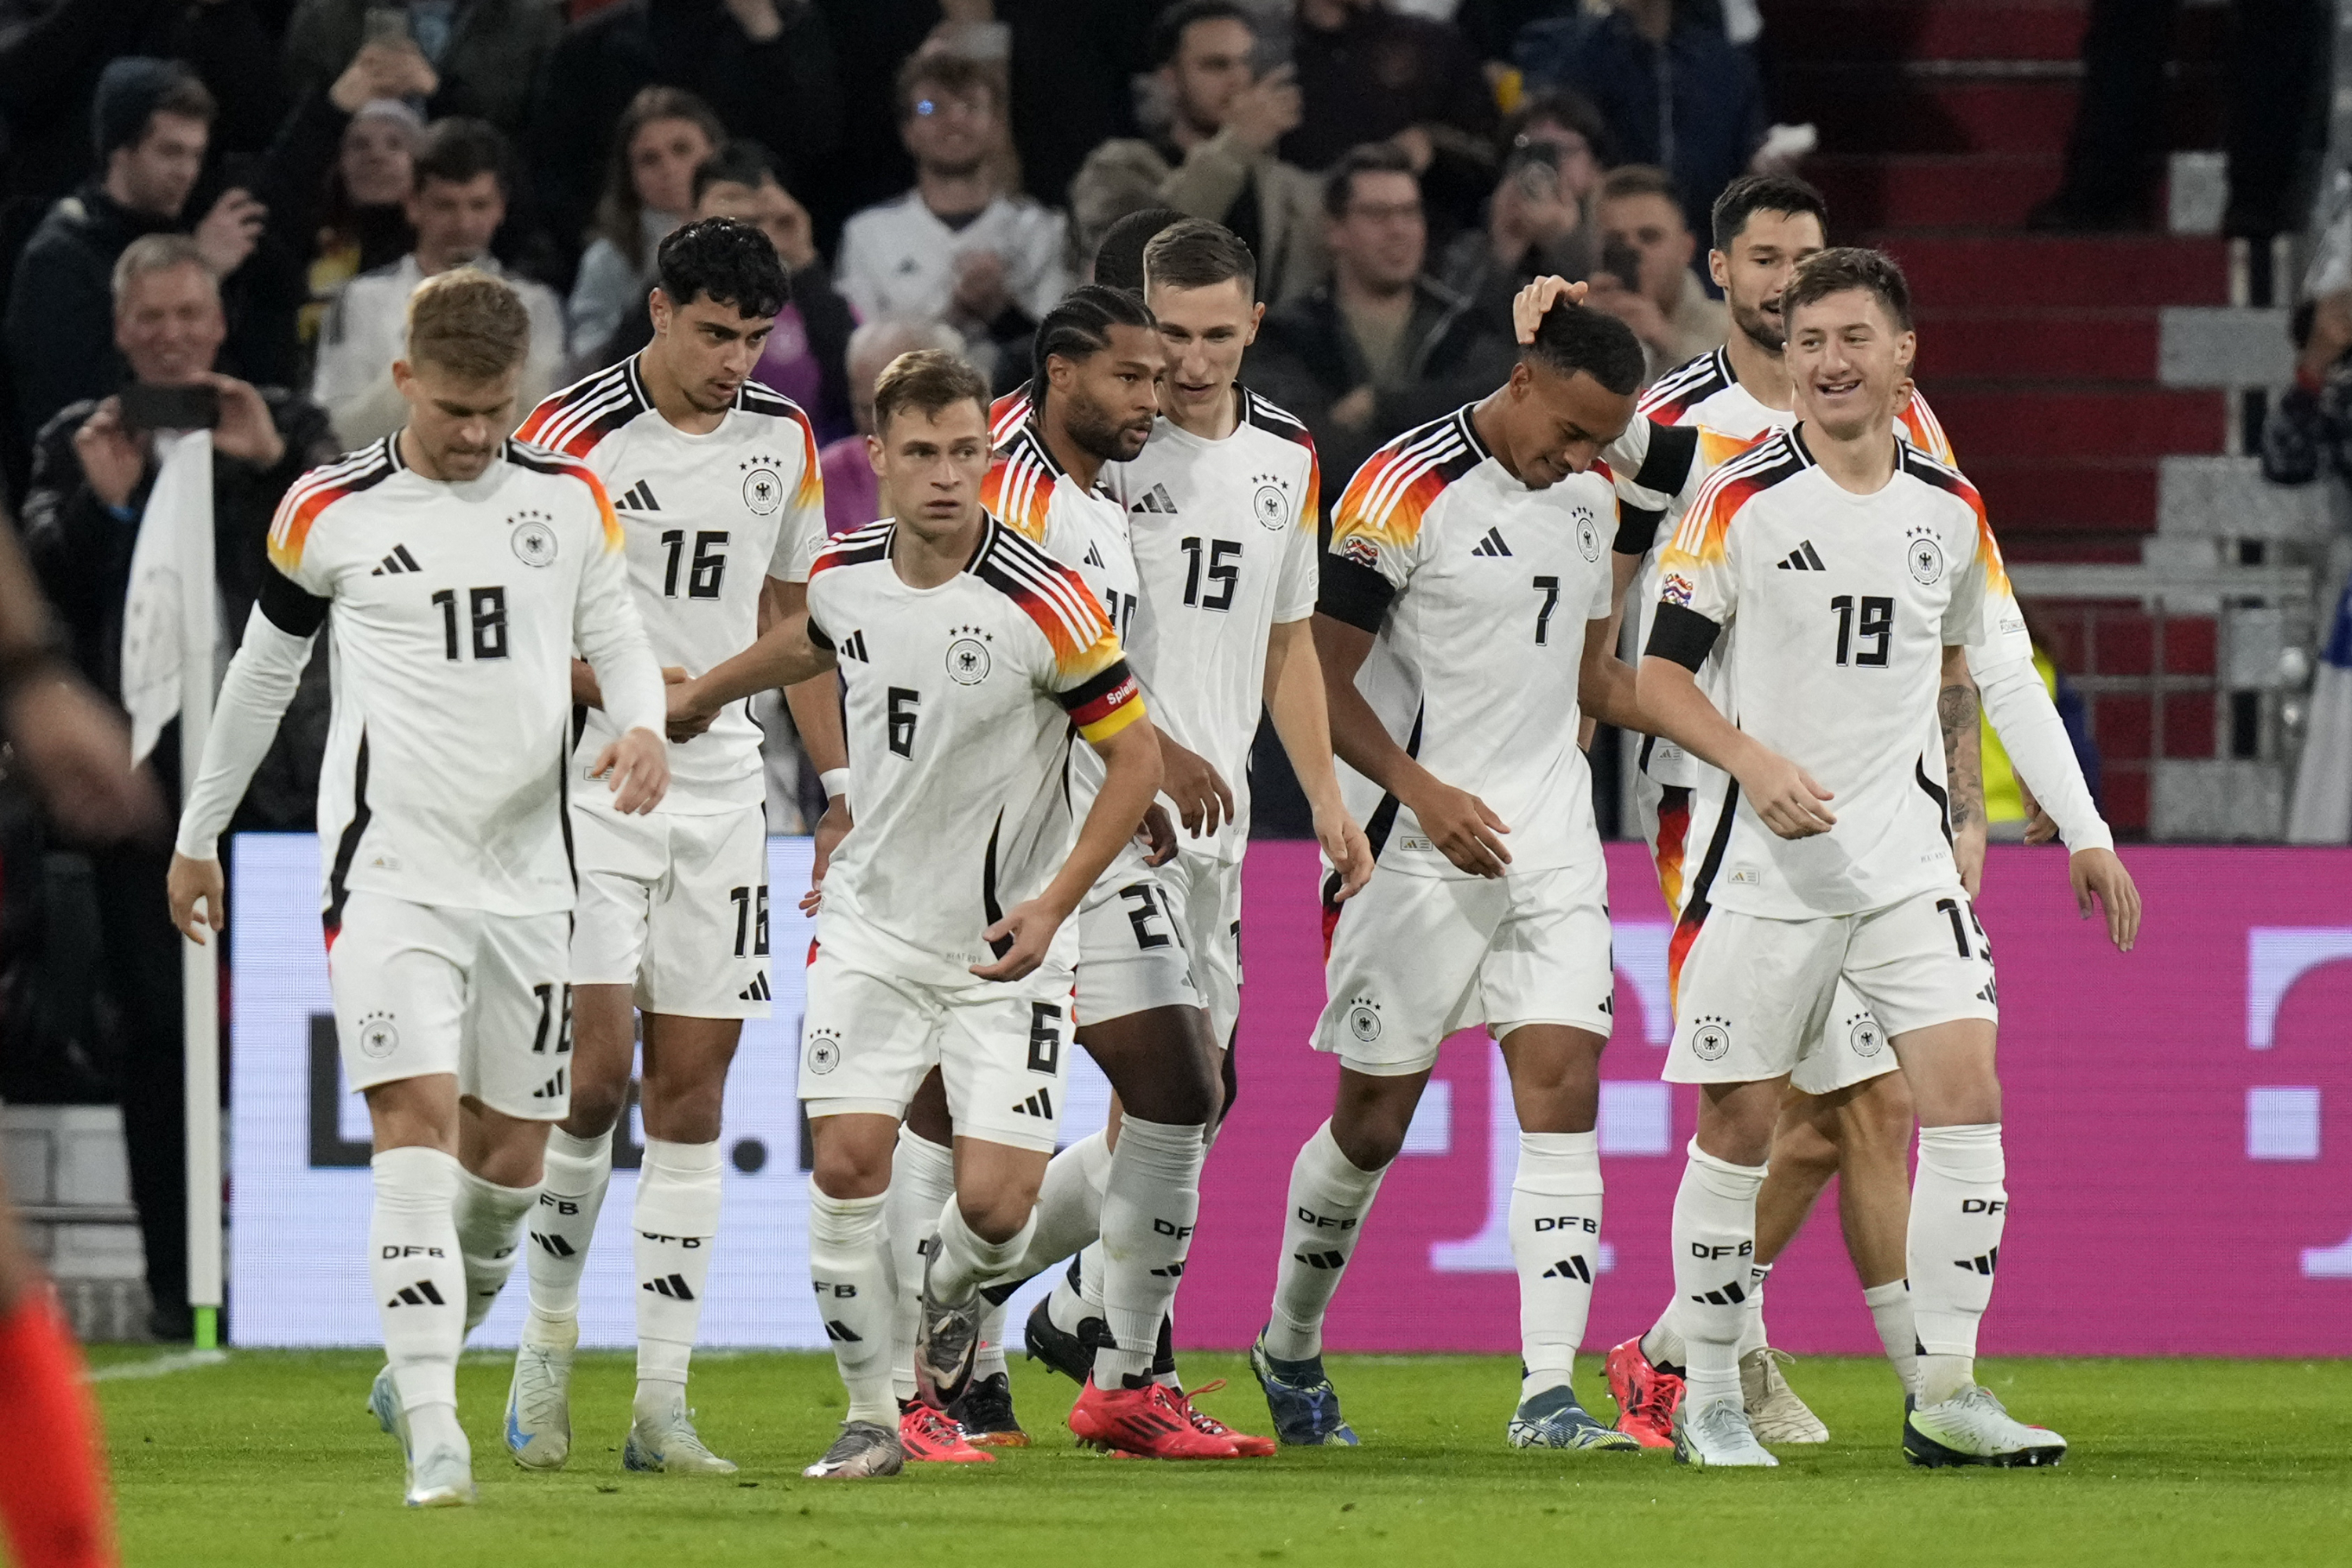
1133 951
1851 1047
1203 896
1755 995
1002 1047
428 988
1413 959
676 905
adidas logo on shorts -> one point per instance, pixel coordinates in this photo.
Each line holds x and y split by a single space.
1040 1104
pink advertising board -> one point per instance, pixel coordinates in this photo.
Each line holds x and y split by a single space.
2178 1123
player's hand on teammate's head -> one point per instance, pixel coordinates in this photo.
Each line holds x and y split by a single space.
1031 926
1462 828
1203 801
636 768
1350 852
1786 797
1968 854
1158 836
1531 304
2099 874
189 883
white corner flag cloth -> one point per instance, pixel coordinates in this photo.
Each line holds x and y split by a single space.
170 608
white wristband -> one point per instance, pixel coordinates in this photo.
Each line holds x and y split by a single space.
836 782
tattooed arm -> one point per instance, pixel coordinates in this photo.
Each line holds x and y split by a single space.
1955 709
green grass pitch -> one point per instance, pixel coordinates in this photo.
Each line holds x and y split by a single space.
268 1458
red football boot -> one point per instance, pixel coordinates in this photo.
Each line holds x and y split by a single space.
1244 1445
1646 1395
1143 1421
933 1440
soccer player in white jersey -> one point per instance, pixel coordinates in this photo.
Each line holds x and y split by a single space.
967 657
1828 844
1848 1112
716 484
1140 1013
1223 511
463 569
1463 622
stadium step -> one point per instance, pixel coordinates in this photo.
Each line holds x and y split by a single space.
1965 106
1936 190
2036 346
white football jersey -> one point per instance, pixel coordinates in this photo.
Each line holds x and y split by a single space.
1085 531
1663 478
898 259
1832 612
709 520
1477 590
1224 534
961 702
456 609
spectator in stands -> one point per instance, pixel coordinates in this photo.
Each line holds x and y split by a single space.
765 68
956 247
852 497
2310 430
363 222
50 66
150 123
1368 74
458 201
664 135
1539 220
2277 49
92 472
1644 278
1225 116
1673 89
805 354
1383 347
486 54
1120 177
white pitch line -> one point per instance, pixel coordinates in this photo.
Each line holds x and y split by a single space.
159 1366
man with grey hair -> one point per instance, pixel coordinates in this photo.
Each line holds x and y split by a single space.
93 466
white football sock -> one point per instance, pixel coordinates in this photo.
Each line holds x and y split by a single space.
1890 1312
988 1359
1069 1203
1715 1250
849 1264
1664 1343
419 1275
922 1177
1329 1197
1752 1322
1147 1214
1959 1207
965 1263
1556 1247
489 1228
560 1225
676 1224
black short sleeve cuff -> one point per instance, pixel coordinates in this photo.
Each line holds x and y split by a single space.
1354 593
1637 529
1666 466
1681 634
816 635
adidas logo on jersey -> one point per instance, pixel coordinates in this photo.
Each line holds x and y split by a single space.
638 497
421 1294
854 646
1569 1268
757 991
399 560
673 1286
1156 499
1038 1104
1804 558
1094 556
1492 544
